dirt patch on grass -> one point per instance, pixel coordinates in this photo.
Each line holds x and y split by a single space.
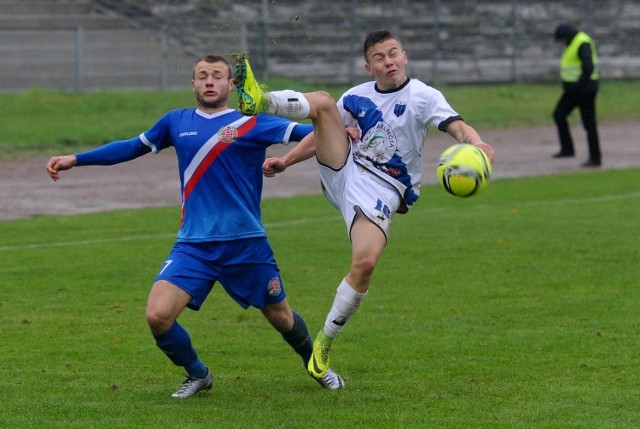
152 180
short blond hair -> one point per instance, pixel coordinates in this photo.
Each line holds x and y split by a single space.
212 59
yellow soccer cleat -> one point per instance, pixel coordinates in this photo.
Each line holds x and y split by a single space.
319 363
252 96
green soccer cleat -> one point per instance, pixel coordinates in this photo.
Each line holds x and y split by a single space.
319 363
252 96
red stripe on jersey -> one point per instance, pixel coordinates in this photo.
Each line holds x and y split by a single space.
218 147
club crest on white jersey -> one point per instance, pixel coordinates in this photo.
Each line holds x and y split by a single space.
399 108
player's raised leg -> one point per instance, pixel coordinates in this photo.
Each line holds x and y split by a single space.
332 144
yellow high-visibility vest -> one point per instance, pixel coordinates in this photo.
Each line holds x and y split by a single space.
571 65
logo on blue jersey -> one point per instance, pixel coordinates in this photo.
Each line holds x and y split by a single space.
227 134
399 108
188 133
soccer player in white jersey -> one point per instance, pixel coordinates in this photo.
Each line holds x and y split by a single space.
221 237
369 149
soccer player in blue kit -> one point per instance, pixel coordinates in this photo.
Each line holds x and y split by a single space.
221 237
371 176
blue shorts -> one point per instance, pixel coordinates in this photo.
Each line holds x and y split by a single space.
245 268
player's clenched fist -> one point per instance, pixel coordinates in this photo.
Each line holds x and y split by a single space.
59 163
272 166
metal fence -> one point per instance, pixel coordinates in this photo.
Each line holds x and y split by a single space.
448 41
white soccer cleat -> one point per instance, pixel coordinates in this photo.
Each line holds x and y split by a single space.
330 380
193 385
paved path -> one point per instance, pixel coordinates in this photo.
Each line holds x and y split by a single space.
152 180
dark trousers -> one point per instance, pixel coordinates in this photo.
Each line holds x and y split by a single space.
586 102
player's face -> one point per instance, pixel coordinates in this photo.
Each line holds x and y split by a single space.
386 62
211 85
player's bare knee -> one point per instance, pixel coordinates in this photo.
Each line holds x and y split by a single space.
157 321
153 320
364 265
322 100
280 318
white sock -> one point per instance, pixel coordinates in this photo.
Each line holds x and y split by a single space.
345 304
288 104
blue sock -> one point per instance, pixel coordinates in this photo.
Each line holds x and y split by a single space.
299 339
176 344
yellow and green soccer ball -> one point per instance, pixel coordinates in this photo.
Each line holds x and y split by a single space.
464 170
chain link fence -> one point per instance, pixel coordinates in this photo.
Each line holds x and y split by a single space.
151 45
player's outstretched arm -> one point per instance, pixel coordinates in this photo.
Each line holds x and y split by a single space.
108 154
301 152
59 163
464 133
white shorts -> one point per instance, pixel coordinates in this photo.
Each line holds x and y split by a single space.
354 187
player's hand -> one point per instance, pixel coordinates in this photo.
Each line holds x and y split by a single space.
272 166
488 150
354 133
59 163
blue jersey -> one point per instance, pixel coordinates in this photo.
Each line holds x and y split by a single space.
220 160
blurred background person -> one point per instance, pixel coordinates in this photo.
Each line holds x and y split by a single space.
579 74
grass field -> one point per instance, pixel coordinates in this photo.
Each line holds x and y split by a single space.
514 309
37 121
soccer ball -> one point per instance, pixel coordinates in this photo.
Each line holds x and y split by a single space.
464 170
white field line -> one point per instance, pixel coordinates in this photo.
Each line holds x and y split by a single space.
149 236
270 225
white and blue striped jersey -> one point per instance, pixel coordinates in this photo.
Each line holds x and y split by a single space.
393 126
220 160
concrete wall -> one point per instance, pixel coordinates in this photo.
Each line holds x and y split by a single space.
97 44
74 45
